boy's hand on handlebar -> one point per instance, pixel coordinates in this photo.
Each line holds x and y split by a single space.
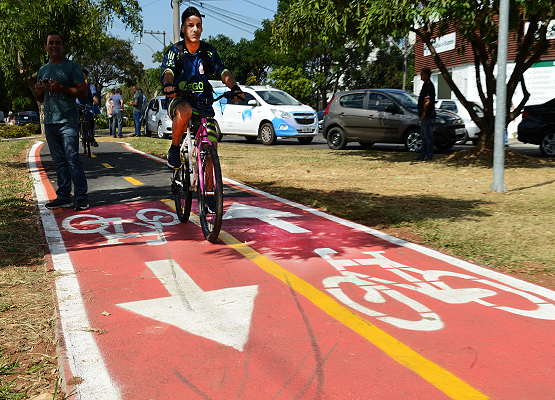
169 90
237 94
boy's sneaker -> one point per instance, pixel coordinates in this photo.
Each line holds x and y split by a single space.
174 158
59 203
81 204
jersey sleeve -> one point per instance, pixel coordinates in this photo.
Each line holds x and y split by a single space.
77 74
217 63
169 62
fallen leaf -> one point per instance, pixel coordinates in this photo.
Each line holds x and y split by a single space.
105 313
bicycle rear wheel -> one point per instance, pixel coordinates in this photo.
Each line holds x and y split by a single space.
183 196
210 193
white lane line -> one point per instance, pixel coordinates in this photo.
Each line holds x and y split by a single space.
83 355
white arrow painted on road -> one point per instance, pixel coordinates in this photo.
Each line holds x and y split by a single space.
271 217
222 315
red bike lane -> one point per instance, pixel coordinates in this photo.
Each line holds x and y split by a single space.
291 303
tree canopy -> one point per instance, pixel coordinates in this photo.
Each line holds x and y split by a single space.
475 20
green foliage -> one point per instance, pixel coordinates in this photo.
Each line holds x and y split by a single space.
113 63
16 131
21 103
292 81
101 121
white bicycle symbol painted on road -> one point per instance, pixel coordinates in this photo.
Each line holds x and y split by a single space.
152 218
427 282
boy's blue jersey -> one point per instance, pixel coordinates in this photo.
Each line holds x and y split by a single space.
193 75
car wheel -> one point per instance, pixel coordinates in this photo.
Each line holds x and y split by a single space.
160 132
547 145
337 140
366 145
444 146
267 135
305 140
251 139
413 141
147 132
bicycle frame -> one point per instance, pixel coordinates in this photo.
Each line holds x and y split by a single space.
187 143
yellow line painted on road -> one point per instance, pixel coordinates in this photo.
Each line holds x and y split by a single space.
133 180
93 155
431 372
105 165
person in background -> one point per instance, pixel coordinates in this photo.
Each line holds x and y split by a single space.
137 104
11 119
117 113
108 106
89 102
59 83
427 115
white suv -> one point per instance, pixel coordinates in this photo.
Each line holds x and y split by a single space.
266 113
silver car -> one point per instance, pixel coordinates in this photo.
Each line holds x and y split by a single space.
157 119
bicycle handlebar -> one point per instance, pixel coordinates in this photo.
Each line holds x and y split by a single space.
183 93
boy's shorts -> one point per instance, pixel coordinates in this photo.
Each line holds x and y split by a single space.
195 119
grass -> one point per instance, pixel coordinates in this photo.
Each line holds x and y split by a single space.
446 204
28 363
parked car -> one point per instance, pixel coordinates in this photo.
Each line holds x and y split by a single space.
266 113
455 106
371 116
157 119
538 127
23 118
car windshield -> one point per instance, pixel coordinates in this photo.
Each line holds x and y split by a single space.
277 98
407 100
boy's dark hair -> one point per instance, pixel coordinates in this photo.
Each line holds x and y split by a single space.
53 33
427 71
85 71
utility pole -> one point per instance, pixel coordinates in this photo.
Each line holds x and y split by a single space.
501 106
176 24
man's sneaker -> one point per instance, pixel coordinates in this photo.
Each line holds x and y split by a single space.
81 204
174 158
59 203
95 143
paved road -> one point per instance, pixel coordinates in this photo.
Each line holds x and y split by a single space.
290 303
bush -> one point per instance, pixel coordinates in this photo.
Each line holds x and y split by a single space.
101 121
16 131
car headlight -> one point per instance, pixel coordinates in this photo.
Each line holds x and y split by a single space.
281 114
440 120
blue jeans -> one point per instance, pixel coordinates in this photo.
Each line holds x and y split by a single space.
427 135
63 141
137 118
117 122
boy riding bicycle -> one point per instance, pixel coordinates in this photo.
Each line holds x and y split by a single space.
187 65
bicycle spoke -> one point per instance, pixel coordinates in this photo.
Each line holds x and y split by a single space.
210 193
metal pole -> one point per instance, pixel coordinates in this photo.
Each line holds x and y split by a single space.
501 106
176 22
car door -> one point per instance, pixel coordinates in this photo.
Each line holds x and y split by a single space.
353 115
151 115
237 116
382 125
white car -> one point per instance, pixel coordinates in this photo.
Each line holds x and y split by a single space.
266 113
454 105
156 118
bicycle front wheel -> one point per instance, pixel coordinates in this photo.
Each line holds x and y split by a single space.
210 193
183 196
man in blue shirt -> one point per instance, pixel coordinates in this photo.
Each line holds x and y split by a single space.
137 104
187 65
89 102
117 113
427 115
59 83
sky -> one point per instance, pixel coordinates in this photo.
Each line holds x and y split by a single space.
233 18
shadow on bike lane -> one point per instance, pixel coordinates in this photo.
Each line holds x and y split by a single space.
290 302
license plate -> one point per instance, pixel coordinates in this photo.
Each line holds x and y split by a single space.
307 129
460 131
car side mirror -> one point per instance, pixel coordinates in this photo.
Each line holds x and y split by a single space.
252 103
391 109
